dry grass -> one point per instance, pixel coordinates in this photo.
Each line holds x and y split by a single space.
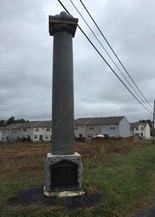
19 156
105 149
108 164
14 157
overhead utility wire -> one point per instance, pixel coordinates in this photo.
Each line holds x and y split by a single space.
105 60
107 52
115 53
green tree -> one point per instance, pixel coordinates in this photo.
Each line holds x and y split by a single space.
21 121
2 123
10 120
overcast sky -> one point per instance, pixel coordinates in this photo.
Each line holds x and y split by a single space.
26 58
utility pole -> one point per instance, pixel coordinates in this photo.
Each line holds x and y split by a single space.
153 122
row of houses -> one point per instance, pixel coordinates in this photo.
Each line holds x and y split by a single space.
116 127
83 128
30 131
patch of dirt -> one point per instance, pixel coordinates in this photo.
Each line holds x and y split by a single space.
36 196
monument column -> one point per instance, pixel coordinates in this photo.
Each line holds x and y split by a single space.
63 28
63 166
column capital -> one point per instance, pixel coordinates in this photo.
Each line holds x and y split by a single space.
62 22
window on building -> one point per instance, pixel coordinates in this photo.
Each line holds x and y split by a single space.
91 127
48 129
35 136
89 135
75 128
142 128
36 129
112 128
24 129
46 137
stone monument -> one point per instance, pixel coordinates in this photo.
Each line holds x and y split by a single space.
63 166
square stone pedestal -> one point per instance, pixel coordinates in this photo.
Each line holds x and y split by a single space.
63 173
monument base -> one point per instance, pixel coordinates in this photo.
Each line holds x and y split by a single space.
63 193
63 175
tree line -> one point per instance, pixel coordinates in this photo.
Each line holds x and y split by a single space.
12 120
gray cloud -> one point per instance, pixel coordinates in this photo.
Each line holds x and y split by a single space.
26 58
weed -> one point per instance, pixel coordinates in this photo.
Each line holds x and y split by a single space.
123 171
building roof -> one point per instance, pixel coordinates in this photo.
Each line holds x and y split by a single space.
43 124
82 121
26 125
10 126
136 124
99 121
30 124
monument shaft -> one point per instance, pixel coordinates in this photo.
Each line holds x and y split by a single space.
63 166
62 104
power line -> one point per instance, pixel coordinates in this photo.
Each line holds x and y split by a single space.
113 70
106 61
115 53
106 51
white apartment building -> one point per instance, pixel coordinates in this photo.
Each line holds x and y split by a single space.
140 129
30 131
86 128
108 126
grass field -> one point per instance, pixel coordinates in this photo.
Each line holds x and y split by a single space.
123 171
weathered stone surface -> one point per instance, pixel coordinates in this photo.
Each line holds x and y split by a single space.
62 105
62 22
63 167
52 160
63 28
